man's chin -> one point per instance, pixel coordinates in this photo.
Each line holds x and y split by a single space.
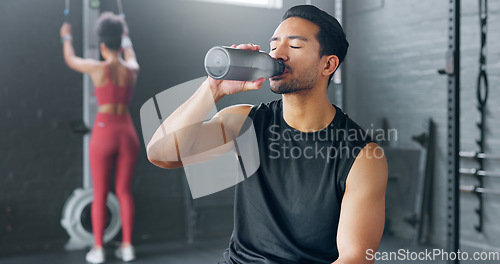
277 84
280 90
275 88
275 92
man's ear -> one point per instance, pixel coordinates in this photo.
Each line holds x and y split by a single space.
331 64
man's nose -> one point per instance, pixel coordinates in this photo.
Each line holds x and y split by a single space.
280 53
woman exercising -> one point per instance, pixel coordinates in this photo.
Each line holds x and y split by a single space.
114 141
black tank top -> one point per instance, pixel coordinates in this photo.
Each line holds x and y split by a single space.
288 211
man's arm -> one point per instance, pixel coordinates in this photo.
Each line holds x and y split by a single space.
184 134
177 142
362 212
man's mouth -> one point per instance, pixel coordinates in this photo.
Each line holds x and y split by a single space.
276 78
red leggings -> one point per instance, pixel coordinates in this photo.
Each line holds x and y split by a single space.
113 142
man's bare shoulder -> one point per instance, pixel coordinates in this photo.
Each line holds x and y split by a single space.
369 168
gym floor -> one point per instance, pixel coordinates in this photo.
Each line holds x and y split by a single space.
202 252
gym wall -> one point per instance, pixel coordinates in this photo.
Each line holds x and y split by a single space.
396 48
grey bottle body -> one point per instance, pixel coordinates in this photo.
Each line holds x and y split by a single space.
225 63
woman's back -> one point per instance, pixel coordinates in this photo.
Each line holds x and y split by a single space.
114 82
118 72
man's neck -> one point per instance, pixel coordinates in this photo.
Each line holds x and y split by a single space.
308 111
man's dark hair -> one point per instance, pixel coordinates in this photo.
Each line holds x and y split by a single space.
331 36
109 28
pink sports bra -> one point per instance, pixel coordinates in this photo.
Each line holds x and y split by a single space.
113 94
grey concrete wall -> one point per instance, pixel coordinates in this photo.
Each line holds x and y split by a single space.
40 160
396 48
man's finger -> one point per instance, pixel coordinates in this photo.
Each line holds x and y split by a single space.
255 85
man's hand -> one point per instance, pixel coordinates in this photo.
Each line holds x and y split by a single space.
221 88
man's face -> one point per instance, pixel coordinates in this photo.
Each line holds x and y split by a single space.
295 42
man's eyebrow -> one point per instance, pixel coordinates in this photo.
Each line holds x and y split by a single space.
289 37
